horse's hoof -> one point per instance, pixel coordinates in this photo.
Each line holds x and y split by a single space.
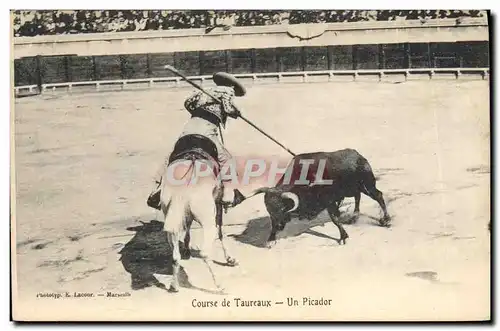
231 262
173 289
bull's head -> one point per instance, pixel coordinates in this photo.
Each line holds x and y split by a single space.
284 207
292 196
278 196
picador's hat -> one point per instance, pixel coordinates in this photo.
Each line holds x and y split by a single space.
225 79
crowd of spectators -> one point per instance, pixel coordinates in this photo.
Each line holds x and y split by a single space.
33 23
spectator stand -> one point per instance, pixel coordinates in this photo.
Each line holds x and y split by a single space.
294 60
29 23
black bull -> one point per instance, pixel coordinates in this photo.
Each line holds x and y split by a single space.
349 174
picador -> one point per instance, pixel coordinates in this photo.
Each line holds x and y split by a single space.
200 144
208 117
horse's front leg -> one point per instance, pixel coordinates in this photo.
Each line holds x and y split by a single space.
231 261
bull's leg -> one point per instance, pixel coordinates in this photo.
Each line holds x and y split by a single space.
275 223
271 241
357 200
334 213
218 216
376 195
278 223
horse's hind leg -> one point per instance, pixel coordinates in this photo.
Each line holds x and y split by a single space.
205 213
173 240
173 208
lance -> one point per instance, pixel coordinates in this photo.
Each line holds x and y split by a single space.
175 71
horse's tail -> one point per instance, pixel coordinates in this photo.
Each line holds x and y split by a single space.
172 178
191 164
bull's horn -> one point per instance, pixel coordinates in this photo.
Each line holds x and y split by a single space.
294 197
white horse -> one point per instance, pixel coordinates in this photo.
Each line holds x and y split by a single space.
192 191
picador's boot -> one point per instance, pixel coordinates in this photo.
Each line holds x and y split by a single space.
154 198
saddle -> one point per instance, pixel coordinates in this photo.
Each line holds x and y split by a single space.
195 147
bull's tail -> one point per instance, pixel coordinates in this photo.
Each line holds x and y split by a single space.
239 197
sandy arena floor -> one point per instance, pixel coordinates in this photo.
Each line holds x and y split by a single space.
84 165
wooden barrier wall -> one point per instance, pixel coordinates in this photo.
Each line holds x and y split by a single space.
448 45
58 69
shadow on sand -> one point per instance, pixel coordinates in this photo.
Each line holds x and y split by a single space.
258 229
148 253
